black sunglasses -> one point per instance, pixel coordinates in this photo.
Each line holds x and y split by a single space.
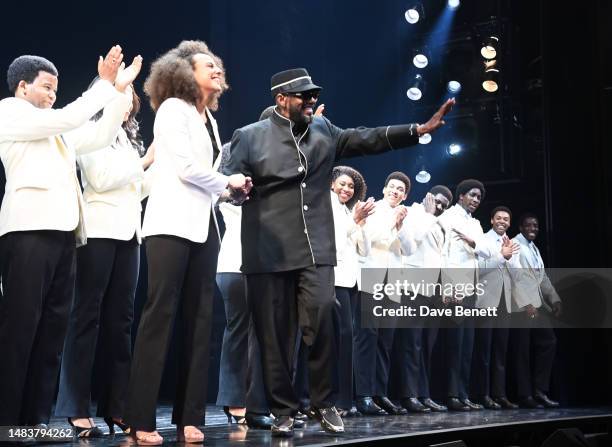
305 96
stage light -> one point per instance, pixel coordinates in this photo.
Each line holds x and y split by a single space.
489 47
453 87
491 76
414 13
454 149
425 138
420 59
423 176
454 3
415 91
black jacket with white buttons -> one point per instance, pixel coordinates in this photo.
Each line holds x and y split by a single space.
287 224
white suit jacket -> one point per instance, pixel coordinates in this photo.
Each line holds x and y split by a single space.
387 246
532 285
114 185
42 189
351 242
185 184
496 274
426 241
459 263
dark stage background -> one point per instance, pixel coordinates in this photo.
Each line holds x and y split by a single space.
541 143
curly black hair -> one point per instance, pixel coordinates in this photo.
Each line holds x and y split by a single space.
171 76
398 175
441 189
466 185
497 209
26 68
358 180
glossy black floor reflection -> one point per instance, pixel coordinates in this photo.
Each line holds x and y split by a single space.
219 433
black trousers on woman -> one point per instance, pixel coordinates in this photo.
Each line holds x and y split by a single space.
239 386
347 297
181 279
102 313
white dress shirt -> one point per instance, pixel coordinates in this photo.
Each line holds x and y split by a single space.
38 149
230 253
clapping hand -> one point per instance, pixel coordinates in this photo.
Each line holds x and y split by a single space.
509 248
429 203
126 76
362 210
108 67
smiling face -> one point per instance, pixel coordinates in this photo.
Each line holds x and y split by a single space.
530 228
41 92
207 74
500 222
344 187
470 201
395 192
298 107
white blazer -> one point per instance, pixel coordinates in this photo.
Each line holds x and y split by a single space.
113 180
230 253
424 260
351 242
459 262
185 185
42 189
532 285
495 273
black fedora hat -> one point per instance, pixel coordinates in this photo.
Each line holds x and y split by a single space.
292 81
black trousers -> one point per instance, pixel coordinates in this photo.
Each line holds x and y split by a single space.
102 314
459 347
280 302
533 354
239 386
38 281
181 278
347 298
372 355
490 354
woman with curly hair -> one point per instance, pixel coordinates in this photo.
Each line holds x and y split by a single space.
182 239
348 190
113 179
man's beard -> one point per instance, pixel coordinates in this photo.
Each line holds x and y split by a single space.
296 115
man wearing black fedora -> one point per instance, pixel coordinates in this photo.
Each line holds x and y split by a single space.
288 249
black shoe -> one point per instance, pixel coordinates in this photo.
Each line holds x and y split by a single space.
297 423
309 412
258 421
489 403
413 405
282 427
330 420
432 405
545 400
529 402
472 405
386 404
351 413
300 416
111 422
505 403
455 404
86 432
232 418
367 407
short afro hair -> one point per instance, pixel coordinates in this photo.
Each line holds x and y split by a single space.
441 189
466 185
526 216
26 68
397 175
360 184
497 209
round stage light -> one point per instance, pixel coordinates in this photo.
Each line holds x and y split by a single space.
420 60
454 3
489 47
453 149
453 87
412 16
423 176
490 83
425 138
415 91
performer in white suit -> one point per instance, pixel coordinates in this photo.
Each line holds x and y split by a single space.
41 221
464 241
423 266
535 299
107 276
348 190
372 345
182 239
491 336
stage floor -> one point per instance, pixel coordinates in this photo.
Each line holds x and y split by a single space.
412 429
